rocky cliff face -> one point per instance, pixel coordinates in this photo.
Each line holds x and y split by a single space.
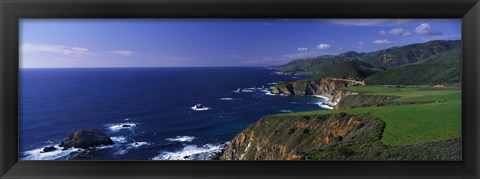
329 137
328 87
292 138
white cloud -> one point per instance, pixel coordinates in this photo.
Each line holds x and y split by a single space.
56 49
396 31
426 29
302 49
360 43
384 41
406 34
323 46
122 52
382 32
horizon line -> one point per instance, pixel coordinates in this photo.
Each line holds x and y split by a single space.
149 67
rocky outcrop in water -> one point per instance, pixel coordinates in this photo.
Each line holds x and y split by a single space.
86 138
328 87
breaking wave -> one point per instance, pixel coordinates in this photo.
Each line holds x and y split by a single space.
200 109
324 105
181 139
138 144
119 139
193 152
38 154
120 126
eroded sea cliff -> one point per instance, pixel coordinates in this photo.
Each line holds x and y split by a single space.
336 136
327 87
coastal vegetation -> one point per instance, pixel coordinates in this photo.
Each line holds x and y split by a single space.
431 114
427 63
401 103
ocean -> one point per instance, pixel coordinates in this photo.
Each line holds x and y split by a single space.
156 103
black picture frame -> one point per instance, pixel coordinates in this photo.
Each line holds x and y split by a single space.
13 10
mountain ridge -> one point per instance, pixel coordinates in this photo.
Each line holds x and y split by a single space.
439 59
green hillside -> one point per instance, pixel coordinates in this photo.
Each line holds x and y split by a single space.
434 115
432 62
314 65
349 69
400 56
393 57
445 71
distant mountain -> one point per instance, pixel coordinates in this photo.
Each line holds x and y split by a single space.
393 57
314 65
400 56
445 67
437 61
349 69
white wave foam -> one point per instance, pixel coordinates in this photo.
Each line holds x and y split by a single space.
130 146
181 139
226 99
102 147
322 97
273 83
138 144
192 152
247 91
200 109
38 154
324 105
286 111
121 152
119 139
267 92
117 127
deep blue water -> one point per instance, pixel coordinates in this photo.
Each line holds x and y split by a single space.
156 102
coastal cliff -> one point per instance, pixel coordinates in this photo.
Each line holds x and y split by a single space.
332 136
293 138
327 87
329 137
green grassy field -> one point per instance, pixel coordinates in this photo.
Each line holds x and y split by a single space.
440 119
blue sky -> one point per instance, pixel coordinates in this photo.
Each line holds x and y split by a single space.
71 43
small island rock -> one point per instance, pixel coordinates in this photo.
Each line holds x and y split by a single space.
49 149
86 138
